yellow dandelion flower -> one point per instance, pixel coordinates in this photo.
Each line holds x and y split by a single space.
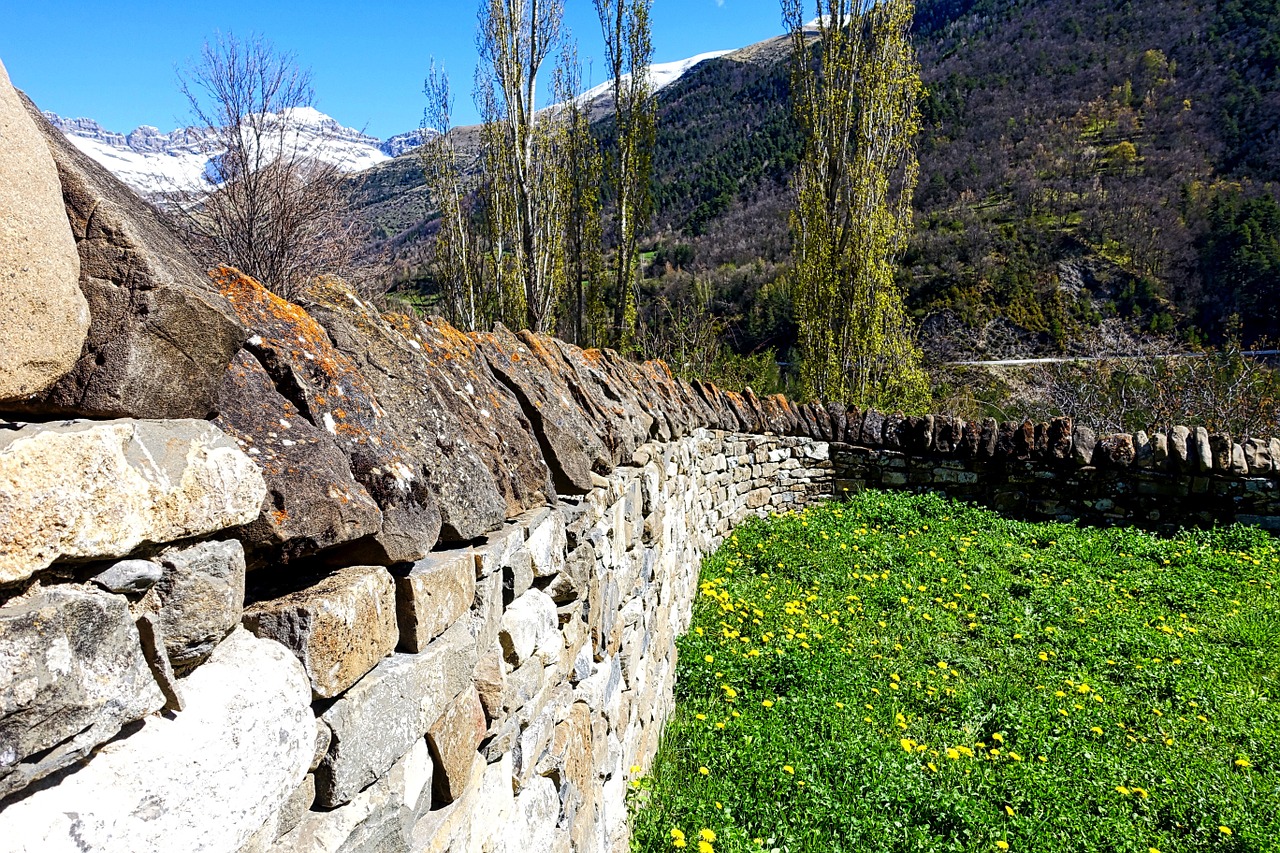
1225 830
953 754
1122 790
709 658
768 703
705 847
1002 845
677 834
635 768
788 769
702 771
707 835
1243 762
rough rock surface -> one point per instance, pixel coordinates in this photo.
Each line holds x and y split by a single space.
88 490
198 599
379 719
339 628
440 426
159 337
433 595
74 674
312 501
569 437
204 780
330 391
453 739
43 314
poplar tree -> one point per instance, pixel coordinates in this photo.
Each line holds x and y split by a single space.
856 101
516 39
628 52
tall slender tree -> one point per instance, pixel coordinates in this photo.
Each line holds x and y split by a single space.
856 89
516 39
628 52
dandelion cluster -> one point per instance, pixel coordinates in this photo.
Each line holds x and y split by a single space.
913 668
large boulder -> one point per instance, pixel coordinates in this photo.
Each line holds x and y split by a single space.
159 336
312 501
331 393
87 490
43 314
205 779
74 674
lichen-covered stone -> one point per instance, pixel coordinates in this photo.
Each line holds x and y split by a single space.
331 392
74 674
340 628
94 489
312 503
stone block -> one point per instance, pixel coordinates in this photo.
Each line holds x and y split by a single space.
89 490
74 675
129 577
546 542
528 628
203 780
1200 451
454 739
1180 452
490 680
339 628
199 598
381 717
434 594
1083 442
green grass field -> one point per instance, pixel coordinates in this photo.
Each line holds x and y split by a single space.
903 673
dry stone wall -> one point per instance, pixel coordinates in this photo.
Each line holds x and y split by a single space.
1061 471
306 576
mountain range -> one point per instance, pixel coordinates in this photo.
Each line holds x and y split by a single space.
155 163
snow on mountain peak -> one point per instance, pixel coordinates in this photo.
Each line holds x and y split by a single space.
661 75
156 164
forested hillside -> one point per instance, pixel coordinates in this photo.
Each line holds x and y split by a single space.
1082 161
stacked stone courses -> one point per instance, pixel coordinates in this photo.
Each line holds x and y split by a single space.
306 576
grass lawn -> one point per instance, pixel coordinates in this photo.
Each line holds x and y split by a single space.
905 673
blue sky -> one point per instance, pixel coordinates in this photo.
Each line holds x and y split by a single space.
114 61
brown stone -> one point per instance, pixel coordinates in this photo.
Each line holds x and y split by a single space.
340 628
1117 451
1059 438
433 595
454 739
43 314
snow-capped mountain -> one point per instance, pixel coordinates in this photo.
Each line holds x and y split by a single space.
155 163
661 75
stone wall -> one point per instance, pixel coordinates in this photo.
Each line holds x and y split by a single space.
1187 477
491 697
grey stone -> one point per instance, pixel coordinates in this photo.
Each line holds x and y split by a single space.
1144 451
199 598
339 628
1159 450
43 314
160 336
433 595
386 712
91 490
1083 442
202 781
1200 451
1239 465
529 628
1180 452
129 576
74 675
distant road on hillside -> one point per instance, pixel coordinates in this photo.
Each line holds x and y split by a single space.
1025 362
